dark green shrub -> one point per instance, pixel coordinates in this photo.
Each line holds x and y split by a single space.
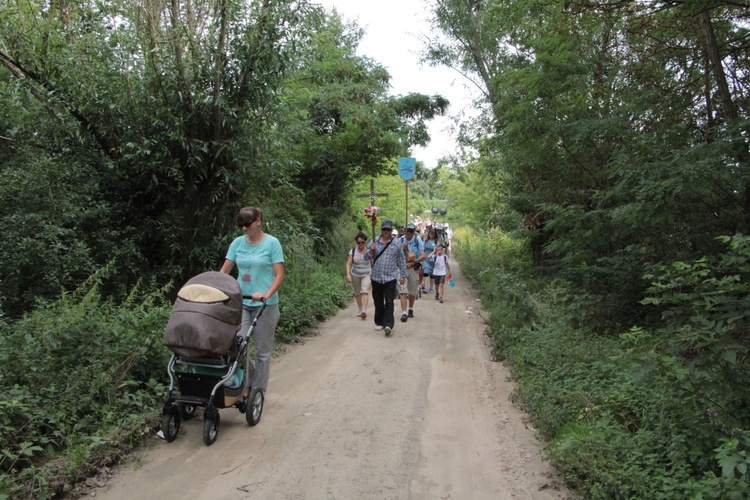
78 374
311 293
702 345
653 414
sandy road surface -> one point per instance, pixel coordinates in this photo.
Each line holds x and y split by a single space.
354 415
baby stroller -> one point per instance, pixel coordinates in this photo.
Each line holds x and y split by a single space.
210 359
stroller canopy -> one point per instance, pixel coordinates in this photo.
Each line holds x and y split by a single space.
205 317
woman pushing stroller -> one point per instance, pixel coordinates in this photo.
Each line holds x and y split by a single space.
208 332
260 272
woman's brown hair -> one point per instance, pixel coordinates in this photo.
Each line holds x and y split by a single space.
249 214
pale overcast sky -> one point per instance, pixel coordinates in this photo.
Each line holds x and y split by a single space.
392 38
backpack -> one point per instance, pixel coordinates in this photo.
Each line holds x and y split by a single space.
434 259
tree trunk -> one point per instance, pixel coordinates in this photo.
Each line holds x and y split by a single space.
219 68
728 110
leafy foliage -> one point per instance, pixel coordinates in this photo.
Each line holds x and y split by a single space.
702 346
80 376
148 129
622 127
657 414
344 124
313 295
147 126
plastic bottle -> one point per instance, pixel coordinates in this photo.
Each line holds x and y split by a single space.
236 380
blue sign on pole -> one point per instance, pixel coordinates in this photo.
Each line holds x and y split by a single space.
407 167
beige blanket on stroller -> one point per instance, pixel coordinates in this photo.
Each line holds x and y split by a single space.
206 317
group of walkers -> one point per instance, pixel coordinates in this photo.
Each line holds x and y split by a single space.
391 266
387 267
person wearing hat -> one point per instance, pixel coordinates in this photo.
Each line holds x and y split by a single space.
388 268
413 248
443 238
430 242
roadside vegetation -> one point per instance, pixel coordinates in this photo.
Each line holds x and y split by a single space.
646 412
613 254
602 186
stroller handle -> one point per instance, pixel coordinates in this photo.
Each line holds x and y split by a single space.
262 308
250 297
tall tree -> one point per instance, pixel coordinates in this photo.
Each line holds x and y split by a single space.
611 128
344 123
165 106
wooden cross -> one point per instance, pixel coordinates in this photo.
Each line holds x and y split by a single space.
372 194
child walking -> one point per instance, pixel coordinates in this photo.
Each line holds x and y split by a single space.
441 268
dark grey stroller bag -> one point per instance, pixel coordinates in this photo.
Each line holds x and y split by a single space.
206 316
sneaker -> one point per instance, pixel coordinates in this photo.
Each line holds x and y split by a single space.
441 300
411 313
403 318
378 328
363 315
387 331
437 297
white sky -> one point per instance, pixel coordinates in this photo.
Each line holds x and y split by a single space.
392 38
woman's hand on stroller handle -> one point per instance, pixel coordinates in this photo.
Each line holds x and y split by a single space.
252 297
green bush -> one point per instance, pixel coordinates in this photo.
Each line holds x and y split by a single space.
79 376
311 293
702 345
653 414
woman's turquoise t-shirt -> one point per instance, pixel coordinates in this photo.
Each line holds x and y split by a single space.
429 246
255 266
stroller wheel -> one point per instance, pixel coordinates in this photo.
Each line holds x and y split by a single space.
254 407
170 426
187 411
210 427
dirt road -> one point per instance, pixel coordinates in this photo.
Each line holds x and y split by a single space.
352 414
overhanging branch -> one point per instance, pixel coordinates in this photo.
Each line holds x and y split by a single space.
50 92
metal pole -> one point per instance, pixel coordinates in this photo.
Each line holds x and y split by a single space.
406 219
372 203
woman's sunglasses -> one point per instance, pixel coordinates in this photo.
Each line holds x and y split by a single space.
248 224
360 242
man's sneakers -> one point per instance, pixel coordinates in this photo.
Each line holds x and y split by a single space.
387 331
378 328
441 300
411 313
437 297
403 318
